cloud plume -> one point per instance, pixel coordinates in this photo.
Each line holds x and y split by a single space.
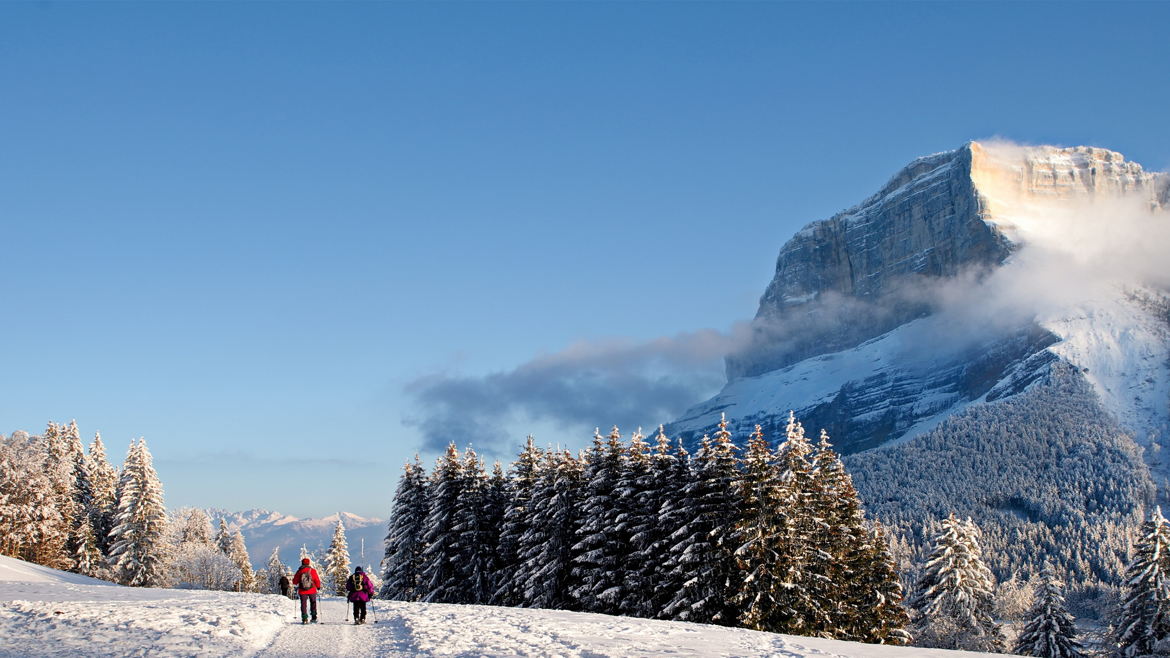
589 384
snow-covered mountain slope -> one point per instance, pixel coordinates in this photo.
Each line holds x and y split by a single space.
264 530
51 618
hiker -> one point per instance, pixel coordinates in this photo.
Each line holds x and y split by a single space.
360 590
284 583
307 582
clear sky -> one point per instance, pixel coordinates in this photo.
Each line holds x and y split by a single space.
266 235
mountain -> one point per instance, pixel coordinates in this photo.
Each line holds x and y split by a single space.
988 283
264 530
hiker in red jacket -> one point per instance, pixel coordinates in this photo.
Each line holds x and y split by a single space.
307 581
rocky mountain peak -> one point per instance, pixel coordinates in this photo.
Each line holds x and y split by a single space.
854 276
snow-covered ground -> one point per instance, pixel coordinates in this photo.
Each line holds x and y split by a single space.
49 613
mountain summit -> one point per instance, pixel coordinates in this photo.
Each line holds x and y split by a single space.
972 278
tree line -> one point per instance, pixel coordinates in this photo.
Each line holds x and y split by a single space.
771 538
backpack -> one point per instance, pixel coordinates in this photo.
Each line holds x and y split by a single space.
305 582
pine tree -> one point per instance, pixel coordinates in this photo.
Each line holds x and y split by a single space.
403 559
440 582
51 547
476 539
496 503
1143 627
546 548
524 474
83 547
702 555
138 554
275 569
601 546
1051 633
671 474
337 560
758 536
238 553
87 559
223 537
864 592
805 600
637 520
955 594
104 486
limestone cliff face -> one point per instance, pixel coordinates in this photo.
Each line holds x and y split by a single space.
857 275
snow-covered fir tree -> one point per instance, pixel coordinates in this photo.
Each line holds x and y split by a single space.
759 536
602 545
53 547
476 538
805 601
702 555
337 560
223 537
402 561
103 481
863 583
84 555
273 571
637 520
1143 626
138 553
671 475
238 553
955 600
441 573
87 558
1050 631
522 479
496 505
84 552
546 549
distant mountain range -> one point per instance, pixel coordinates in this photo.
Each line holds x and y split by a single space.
265 530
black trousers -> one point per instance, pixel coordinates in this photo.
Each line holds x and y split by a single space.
359 610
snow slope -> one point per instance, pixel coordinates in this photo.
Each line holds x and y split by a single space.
47 613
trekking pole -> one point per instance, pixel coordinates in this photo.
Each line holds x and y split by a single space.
372 613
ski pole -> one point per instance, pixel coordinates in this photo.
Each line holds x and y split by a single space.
372 613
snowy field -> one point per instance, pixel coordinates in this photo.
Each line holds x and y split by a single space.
49 613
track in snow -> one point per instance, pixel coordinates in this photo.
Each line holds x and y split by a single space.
334 635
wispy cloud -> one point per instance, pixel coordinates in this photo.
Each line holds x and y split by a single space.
588 384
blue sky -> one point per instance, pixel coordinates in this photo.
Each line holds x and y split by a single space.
266 234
